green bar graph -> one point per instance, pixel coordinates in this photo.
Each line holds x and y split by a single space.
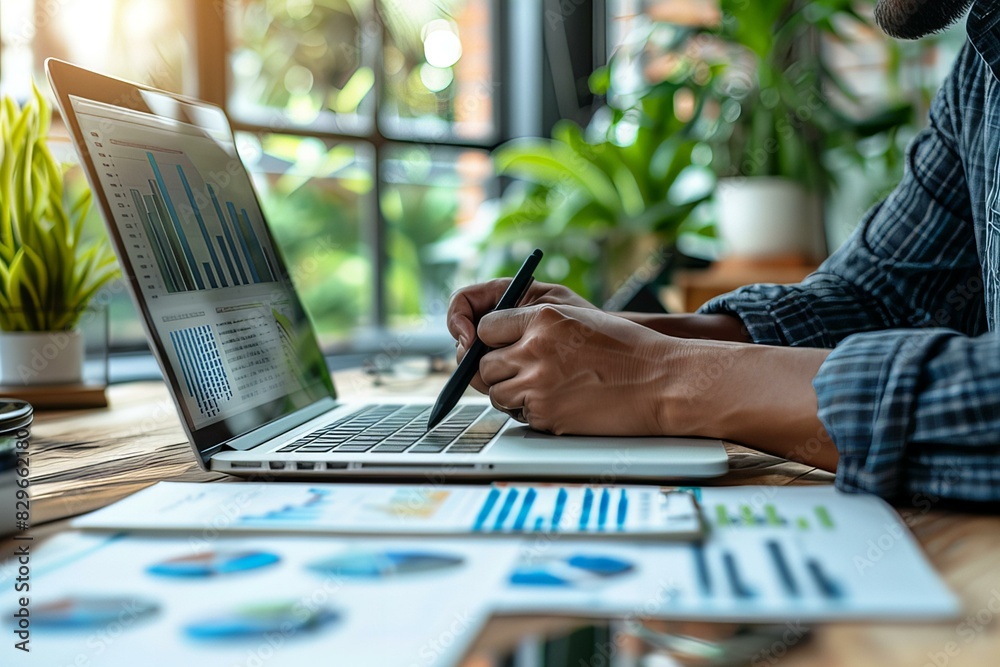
772 516
824 517
768 516
721 515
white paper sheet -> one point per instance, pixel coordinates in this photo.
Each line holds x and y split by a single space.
619 512
423 613
779 553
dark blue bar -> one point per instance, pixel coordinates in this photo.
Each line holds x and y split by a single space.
740 589
784 571
259 246
229 262
588 501
701 566
602 511
188 255
557 513
201 225
243 242
229 237
522 516
508 505
211 276
491 500
827 586
622 509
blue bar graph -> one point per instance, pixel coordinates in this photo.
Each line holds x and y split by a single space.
201 225
195 250
165 196
229 237
508 505
210 275
205 378
588 502
243 242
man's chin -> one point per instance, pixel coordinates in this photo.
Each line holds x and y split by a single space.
913 19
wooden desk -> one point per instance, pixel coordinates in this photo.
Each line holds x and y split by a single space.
87 459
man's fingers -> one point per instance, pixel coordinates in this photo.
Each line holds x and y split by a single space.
504 327
478 384
496 367
471 303
508 397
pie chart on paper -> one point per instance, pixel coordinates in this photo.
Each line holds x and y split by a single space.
213 563
575 571
385 564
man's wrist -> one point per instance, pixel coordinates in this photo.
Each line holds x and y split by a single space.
757 395
693 325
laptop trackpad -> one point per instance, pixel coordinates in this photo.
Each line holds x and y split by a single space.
521 448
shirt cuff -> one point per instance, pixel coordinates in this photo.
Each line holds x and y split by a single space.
752 305
867 390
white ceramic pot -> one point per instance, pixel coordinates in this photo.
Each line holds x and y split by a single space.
763 217
41 357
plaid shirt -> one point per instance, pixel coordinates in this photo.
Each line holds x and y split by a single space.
911 306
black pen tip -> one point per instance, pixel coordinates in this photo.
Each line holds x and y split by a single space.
434 420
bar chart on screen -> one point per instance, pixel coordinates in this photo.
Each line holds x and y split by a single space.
186 229
205 377
197 240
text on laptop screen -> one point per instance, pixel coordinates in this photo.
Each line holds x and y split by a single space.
220 301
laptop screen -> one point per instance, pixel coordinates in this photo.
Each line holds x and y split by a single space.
218 302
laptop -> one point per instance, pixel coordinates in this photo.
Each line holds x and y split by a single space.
235 345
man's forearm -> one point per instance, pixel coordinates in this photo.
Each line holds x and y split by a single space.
695 326
757 395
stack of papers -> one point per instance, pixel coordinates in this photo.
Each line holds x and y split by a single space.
218 594
620 512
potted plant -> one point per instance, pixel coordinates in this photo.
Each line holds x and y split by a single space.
48 271
776 117
604 200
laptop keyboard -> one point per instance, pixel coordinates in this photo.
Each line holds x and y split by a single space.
394 429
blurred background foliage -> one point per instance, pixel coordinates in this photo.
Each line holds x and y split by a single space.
339 167
735 89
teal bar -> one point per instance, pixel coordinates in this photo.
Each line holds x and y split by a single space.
188 255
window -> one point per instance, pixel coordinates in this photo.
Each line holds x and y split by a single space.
367 127
142 40
399 102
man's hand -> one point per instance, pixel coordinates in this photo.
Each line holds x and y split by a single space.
469 304
570 369
573 370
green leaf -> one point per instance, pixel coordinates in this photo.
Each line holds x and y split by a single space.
555 165
46 275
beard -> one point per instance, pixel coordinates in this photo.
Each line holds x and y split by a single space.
913 19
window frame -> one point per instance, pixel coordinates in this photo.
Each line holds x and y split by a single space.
212 84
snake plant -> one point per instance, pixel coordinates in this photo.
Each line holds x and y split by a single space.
49 272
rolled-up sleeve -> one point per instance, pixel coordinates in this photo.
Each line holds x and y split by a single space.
915 412
910 394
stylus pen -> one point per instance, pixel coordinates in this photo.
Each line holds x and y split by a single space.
466 370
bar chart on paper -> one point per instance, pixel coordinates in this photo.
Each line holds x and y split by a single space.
747 515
